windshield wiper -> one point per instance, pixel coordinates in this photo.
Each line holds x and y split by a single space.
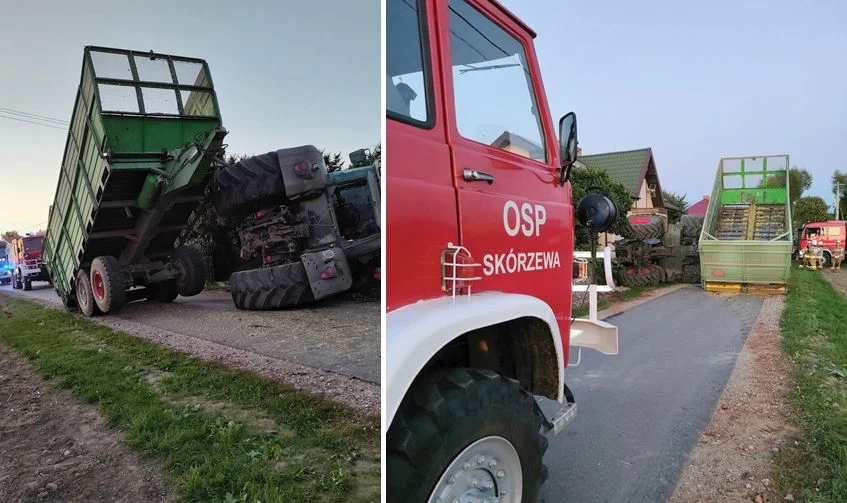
492 67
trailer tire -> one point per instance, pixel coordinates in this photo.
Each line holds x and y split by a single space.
268 288
192 271
84 295
691 226
445 414
107 284
249 182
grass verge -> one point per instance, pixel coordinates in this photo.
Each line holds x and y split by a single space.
611 298
814 331
220 435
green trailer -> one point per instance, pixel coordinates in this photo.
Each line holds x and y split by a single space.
746 241
144 140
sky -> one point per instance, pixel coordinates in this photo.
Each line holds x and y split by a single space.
697 81
286 74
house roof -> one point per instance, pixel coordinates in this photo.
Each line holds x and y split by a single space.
699 208
628 167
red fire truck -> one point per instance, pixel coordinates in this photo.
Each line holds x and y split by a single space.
480 257
829 234
26 263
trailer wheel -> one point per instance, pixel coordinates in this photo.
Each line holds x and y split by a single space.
107 284
275 287
191 265
459 425
84 295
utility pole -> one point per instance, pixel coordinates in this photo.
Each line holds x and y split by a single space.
837 200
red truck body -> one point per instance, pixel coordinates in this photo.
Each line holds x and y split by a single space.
826 234
480 256
25 261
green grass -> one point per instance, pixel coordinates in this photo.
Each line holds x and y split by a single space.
814 328
220 435
616 296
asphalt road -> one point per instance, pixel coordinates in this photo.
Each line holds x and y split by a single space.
640 411
341 335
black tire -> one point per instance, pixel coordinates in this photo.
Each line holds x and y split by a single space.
657 275
628 277
275 287
252 182
27 283
107 284
162 292
691 274
448 410
691 226
84 295
191 266
16 282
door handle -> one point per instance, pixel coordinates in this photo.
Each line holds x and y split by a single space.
472 175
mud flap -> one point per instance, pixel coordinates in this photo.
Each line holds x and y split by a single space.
328 272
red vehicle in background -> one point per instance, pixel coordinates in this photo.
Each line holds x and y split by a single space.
26 263
828 234
480 257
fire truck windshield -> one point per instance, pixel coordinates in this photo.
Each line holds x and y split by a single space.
33 243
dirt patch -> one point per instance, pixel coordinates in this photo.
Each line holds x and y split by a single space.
838 278
54 448
733 457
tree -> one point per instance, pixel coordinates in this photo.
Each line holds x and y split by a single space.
10 235
800 180
674 199
584 178
840 177
334 162
810 209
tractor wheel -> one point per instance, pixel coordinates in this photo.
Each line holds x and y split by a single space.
691 274
691 226
641 227
466 434
107 284
84 295
162 292
275 287
191 265
656 275
256 181
630 278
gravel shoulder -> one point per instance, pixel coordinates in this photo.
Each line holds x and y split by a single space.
55 448
351 391
734 454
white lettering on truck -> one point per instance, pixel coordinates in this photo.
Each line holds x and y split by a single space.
526 219
533 218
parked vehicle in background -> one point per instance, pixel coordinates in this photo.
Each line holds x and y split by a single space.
145 134
26 264
480 257
5 264
309 233
827 235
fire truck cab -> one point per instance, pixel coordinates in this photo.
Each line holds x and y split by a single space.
26 263
830 235
480 256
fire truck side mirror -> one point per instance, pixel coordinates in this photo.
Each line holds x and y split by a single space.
567 144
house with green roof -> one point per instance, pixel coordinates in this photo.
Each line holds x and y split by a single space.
636 170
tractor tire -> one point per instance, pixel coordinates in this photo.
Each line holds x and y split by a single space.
268 288
107 284
691 226
191 265
162 292
630 278
691 274
456 414
252 182
656 275
84 295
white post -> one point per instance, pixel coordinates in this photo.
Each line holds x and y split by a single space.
592 302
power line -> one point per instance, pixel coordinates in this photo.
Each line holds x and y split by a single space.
33 116
63 128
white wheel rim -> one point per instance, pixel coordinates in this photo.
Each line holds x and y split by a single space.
487 471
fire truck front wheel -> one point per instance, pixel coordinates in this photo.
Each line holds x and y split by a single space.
27 283
468 435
